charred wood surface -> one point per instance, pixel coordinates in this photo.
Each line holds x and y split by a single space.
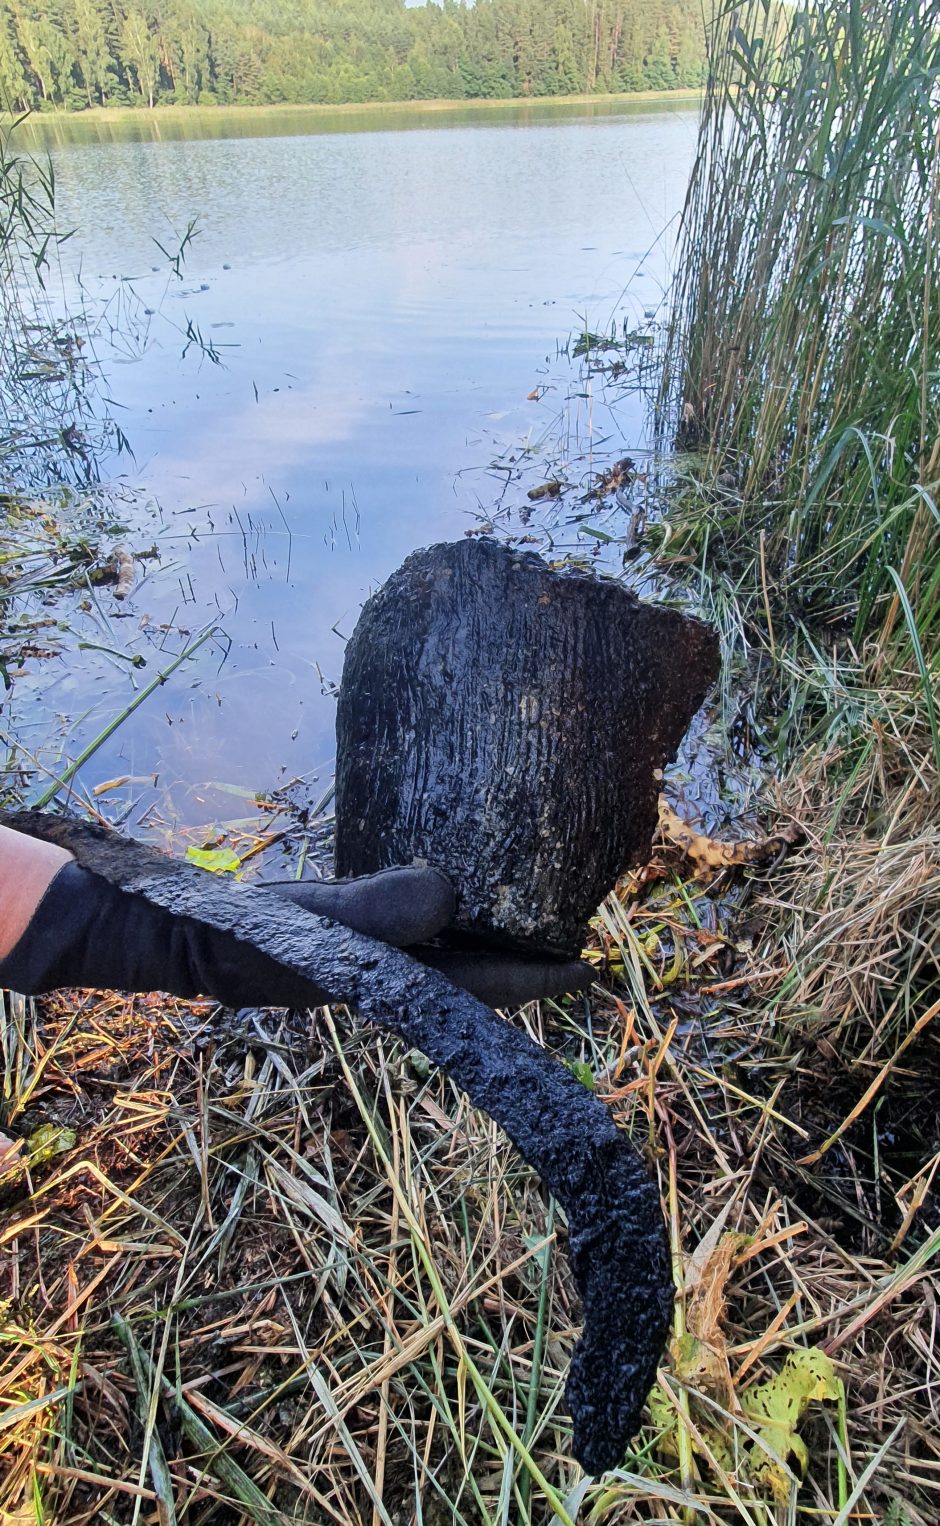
506 723
617 1243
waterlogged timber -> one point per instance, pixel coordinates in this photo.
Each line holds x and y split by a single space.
509 725
616 1236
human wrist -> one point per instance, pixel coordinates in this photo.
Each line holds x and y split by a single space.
28 866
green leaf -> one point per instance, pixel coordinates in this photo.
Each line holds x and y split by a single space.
542 1249
216 860
582 1072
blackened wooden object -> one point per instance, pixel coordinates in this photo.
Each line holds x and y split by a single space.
616 1236
506 723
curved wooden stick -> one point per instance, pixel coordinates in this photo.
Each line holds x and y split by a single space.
617 1242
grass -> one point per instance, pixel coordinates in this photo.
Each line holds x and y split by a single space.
802 362
300 1280
297 1278
804 350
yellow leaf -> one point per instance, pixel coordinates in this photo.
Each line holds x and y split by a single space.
48 1140
709 854
775 1409
216 860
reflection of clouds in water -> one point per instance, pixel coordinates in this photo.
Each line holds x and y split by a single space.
338 365
229 460
404 293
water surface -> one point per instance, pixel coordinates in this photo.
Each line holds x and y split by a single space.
342 374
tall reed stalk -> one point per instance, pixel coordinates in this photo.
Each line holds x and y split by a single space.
804 351
803 365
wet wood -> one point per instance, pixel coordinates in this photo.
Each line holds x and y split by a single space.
616 1238
507 723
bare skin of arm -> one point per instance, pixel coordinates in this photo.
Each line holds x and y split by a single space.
27 869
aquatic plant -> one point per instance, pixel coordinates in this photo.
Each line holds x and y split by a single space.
804 349
50 429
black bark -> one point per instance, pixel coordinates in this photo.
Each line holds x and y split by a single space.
506 723
617 1243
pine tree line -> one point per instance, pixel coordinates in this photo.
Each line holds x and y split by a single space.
74 54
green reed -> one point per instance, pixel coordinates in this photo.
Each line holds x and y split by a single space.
804 348
51 427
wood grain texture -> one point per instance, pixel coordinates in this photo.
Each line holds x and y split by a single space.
506 722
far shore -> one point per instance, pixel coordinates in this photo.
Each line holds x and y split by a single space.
173 112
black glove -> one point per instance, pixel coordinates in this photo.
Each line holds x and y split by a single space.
500 980
87 932
507 980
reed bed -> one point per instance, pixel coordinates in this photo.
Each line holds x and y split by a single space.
803 350
802 365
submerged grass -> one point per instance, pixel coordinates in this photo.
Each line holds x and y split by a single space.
50 431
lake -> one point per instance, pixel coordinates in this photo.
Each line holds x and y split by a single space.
344 371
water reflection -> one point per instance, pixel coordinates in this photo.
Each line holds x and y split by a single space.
383 303
184 124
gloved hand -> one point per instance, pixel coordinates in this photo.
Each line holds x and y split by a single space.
86 932
500 980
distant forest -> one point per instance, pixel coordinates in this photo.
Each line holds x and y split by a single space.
74 54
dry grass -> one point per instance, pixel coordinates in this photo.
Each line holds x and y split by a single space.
255 1282
862 935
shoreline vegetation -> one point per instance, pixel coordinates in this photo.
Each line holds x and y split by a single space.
84 53
800 375
247 1278
173 111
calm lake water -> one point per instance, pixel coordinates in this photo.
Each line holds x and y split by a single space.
381 304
